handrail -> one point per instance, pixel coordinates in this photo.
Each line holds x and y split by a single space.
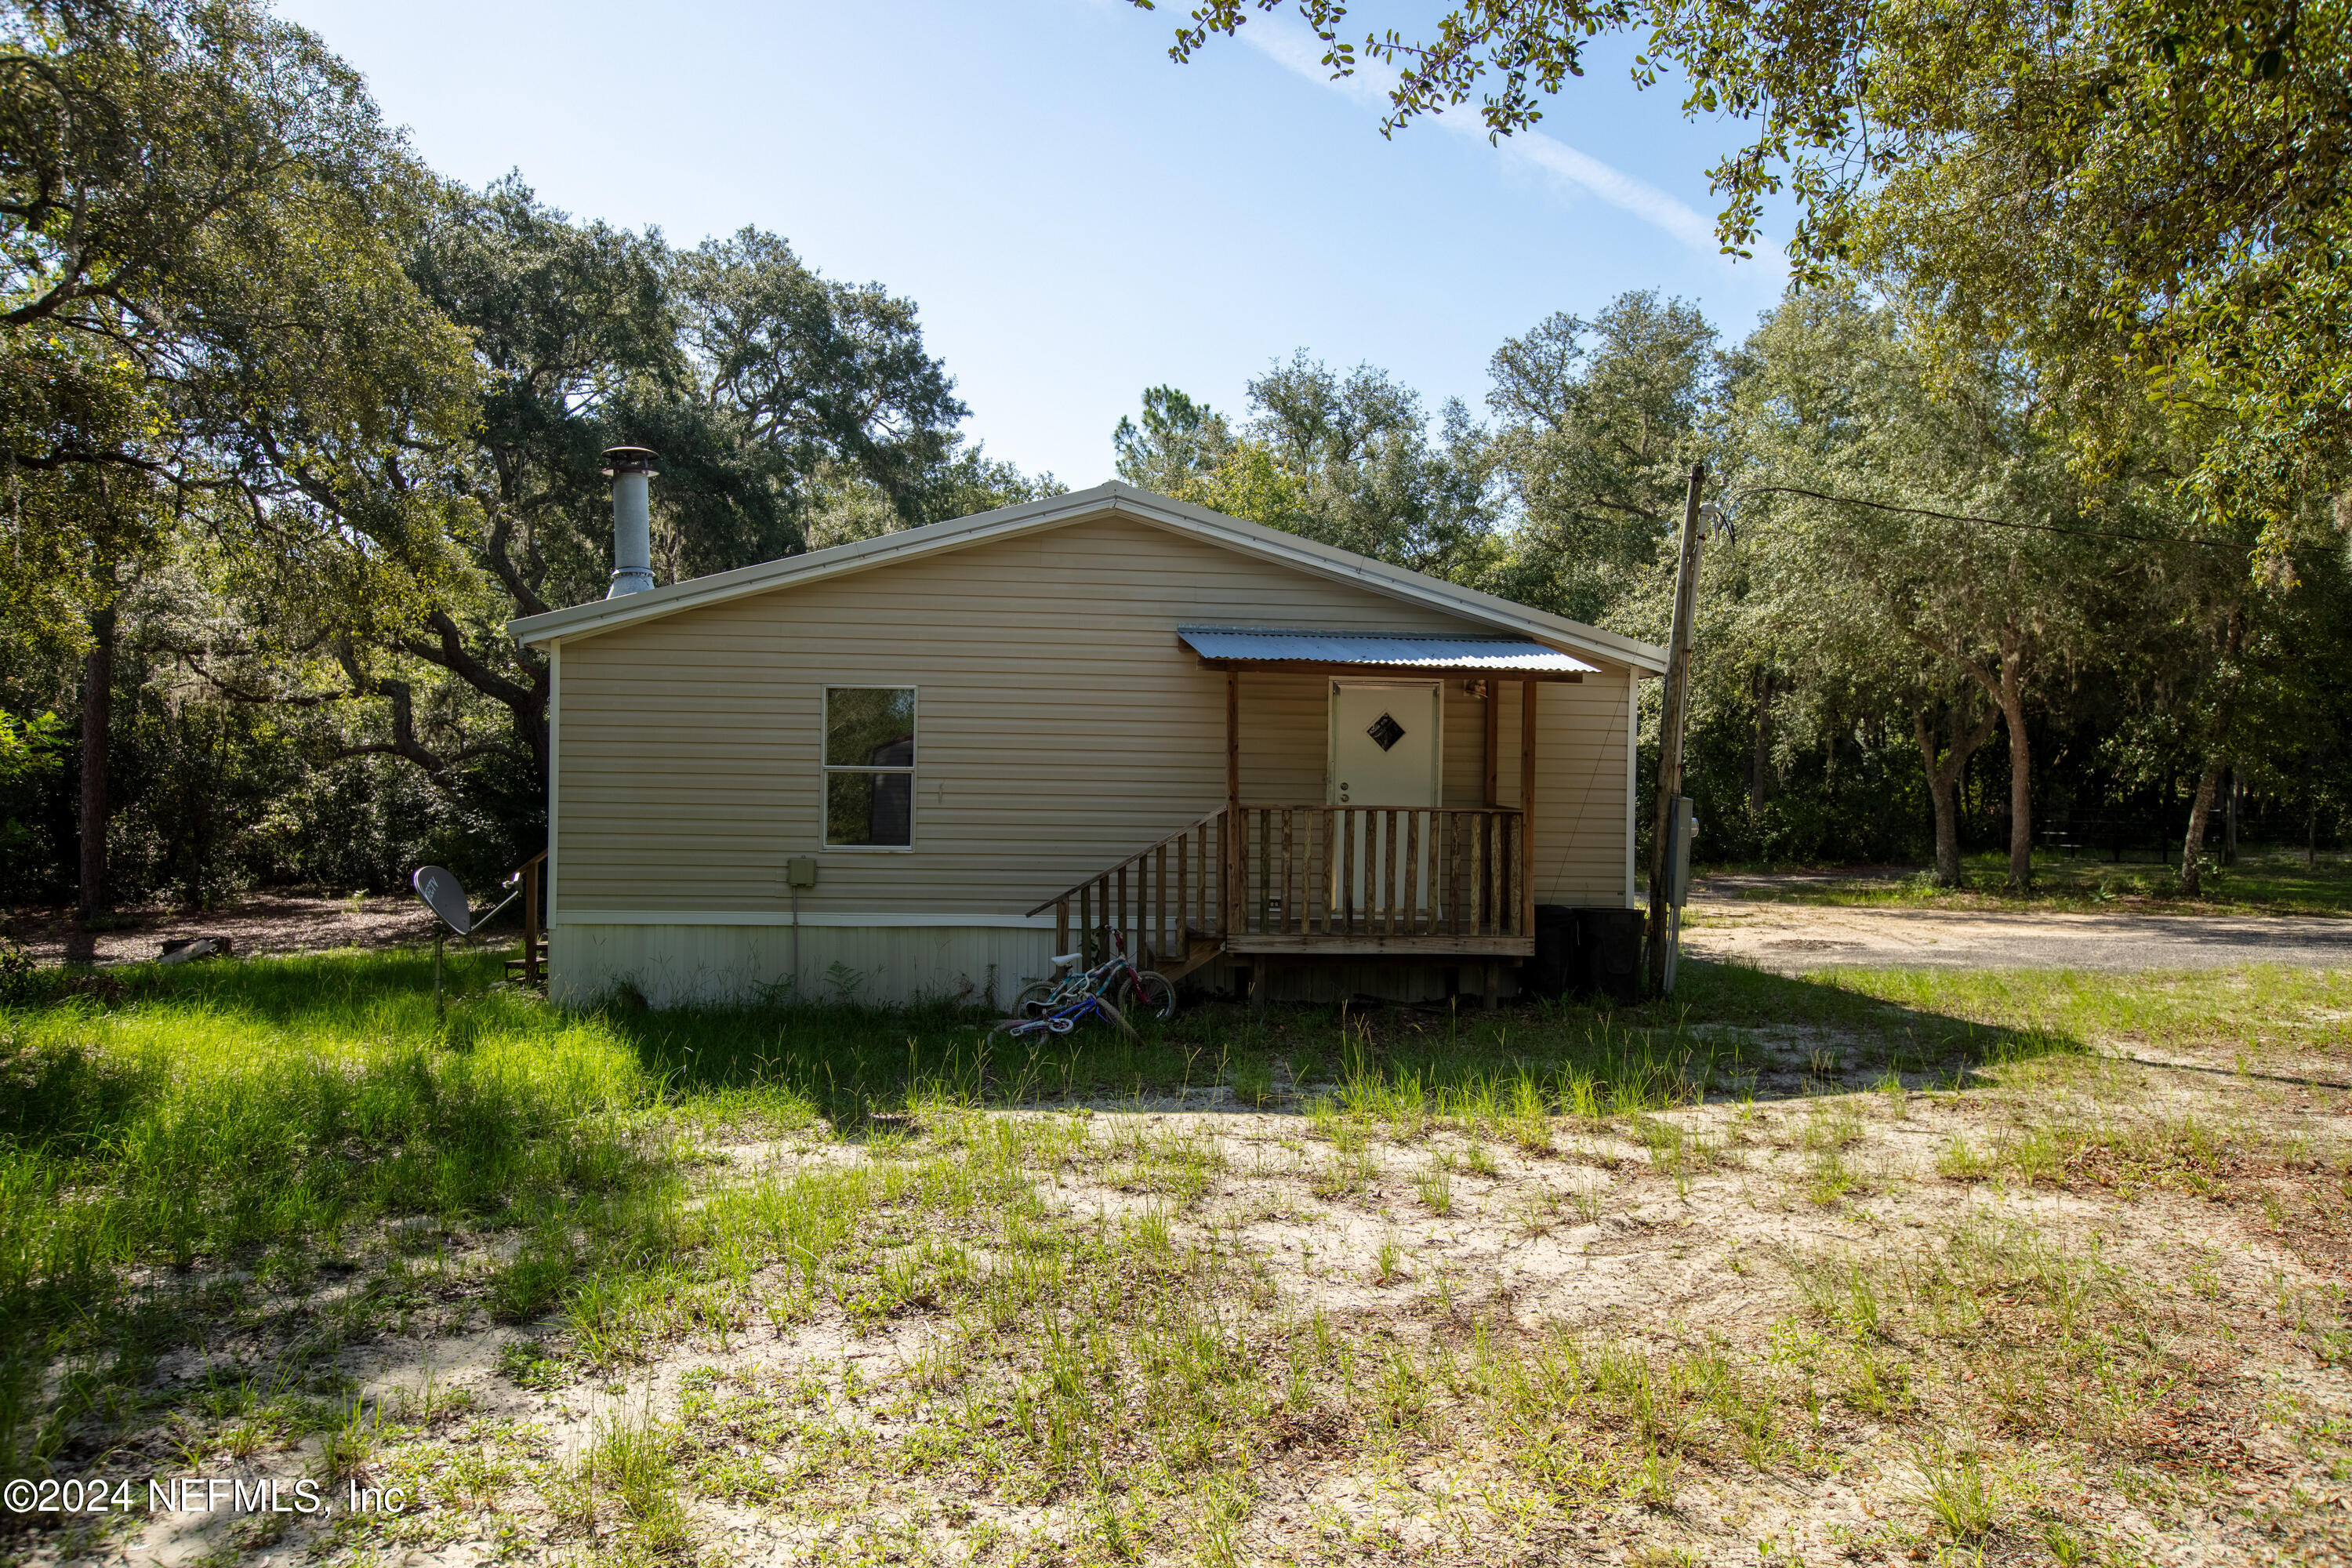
1304 878
1074 888
1424 810
527 874
1160 901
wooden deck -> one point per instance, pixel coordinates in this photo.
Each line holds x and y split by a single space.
1307 880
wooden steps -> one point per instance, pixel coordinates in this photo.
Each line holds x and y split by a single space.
1197 951
532 966
529 966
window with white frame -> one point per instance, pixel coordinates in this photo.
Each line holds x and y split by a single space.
870 767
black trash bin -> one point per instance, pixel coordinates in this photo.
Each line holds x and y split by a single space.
1608 953
1554 970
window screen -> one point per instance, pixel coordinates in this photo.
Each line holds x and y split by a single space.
869 766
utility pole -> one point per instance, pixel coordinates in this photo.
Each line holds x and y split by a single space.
1670 729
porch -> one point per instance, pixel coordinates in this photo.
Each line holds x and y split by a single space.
1363 880
1343 881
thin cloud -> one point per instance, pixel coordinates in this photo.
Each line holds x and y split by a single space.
1622 191
1299 52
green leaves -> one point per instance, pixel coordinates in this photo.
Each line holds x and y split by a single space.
30 746
2140 197
1599 423
1346 459
203 315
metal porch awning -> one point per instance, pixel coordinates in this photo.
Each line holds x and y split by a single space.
1379 653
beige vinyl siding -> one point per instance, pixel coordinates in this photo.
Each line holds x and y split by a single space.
1061 726
1285 722
1462 775
1579 786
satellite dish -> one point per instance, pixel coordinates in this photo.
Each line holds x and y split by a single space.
443 896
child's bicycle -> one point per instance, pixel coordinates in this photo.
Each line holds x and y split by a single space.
1068 1015
1116 979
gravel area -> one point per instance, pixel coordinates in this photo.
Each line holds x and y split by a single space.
1792 938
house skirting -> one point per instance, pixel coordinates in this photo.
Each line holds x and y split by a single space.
726 960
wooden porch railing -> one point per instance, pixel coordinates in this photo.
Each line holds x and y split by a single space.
1376 879
1312 878
1169 897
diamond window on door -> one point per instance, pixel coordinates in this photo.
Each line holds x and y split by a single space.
1385 732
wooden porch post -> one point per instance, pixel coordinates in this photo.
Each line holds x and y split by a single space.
1232 877
1494 742
1527 689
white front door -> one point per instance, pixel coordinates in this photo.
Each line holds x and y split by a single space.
1384 752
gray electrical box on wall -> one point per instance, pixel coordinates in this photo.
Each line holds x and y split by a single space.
800 872
1682 825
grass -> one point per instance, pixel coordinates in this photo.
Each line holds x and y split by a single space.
2268 880
219 1183
1954 1489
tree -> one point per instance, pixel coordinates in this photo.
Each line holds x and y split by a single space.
1176 441
29 751
780 401
2295 704
1835 663
205 318
1600 424
1374 482
255 358
1948 510
199 224
2143 196
1344 460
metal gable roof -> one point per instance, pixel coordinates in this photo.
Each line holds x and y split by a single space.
1403 650
1107 499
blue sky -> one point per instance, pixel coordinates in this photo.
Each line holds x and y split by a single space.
1076 216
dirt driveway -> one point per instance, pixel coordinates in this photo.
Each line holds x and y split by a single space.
1791 938
265 923
1720 924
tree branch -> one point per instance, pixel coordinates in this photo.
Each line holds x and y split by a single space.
271 699
450 654
503 563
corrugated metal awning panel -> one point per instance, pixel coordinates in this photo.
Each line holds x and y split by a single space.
1400 650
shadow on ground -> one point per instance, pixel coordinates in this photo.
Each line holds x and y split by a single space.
1730 1031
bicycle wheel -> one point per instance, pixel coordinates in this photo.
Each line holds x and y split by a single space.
1155 994
1033 1000
1109 1014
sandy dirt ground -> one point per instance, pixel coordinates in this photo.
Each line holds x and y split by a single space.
1792 938
2080 1309
1722 923
2136 1358
264 924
